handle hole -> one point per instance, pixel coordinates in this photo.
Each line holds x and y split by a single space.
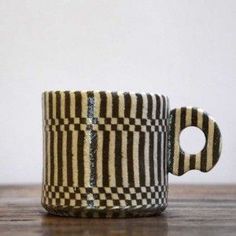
192 140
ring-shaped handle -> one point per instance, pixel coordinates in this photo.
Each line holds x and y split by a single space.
180 162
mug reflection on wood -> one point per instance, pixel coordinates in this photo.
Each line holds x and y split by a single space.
108 154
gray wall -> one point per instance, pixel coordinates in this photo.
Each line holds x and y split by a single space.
185 49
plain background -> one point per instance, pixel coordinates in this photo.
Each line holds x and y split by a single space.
184 49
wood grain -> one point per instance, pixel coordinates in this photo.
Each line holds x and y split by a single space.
192 210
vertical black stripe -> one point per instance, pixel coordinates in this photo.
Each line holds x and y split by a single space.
139 111
159 157
130 137
68 141
194 121
44 106
46 157
105 155
216 144
45 137
93 158
115 104
58 105
171 140
182 126
103 105
194 117
67 104
164 155
141 158
164 136
69 158
118 155
78 104
151 156
93 141
50 105
163 107
118 158
59 137
192 161
80 157
204 151
90 104
127 104
158 106
59 154
51 157
150 106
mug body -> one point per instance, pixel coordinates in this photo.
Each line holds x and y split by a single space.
105 153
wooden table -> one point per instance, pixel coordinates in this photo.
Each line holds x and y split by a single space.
193 210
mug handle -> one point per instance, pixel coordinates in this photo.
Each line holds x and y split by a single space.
180 162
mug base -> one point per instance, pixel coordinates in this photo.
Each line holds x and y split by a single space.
104 213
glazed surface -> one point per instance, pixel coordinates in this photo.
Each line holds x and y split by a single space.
105 151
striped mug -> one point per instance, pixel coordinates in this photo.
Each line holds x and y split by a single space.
108 154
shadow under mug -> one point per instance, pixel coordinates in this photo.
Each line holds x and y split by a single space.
108 154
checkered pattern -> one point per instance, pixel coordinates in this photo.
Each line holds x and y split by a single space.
103 197
102 120
107 124
104 139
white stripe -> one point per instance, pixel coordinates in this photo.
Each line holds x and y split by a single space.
84 106
133 106
161 108
154 104
168 105
87 141
121 105
145 106
188 118
210 144
176 145
124 159
136 158
109 105
54 105
97 99
62 104
72 104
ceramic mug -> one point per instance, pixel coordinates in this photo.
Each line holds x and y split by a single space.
108 154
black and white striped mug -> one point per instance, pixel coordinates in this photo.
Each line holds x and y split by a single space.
108 154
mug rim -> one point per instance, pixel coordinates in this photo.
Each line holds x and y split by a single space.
119 92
